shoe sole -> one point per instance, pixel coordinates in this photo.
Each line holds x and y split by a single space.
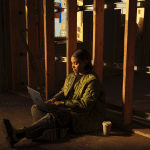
53 134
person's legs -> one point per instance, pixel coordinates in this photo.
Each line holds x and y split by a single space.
43 121
36 130
63 123
14 135
61 114
63 118
37 113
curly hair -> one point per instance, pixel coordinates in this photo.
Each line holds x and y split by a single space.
82 55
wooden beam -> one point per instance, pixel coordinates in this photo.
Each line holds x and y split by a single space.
8 44
49 47
71 32
147 10
128 66
98 36
144 69
32 40
145 41
15 44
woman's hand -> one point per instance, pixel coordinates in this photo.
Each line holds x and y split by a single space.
50 101
56 104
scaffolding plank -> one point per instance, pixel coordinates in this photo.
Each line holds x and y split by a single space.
15 44
32 41
98 37
128 65
49 47
71 32
8 44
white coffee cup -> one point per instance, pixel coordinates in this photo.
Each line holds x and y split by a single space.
106 127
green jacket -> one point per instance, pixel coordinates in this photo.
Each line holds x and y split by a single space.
88 103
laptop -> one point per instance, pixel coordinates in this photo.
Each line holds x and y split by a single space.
37 99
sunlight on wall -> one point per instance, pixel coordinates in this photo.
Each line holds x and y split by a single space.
60 28
140 18
80 22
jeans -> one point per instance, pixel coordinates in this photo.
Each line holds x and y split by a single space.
61 115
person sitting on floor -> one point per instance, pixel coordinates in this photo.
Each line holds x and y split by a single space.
83 101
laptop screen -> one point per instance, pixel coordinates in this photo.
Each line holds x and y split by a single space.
36 96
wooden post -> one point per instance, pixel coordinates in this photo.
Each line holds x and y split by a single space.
147 18
128 65
8 44
49 47
71 32
98 36
15 44
144 41
32 40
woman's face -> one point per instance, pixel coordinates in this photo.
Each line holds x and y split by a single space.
77 66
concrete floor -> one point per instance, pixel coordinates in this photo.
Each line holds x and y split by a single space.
17 109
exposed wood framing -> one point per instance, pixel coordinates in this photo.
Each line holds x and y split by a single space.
32 41
144 40
8 44
15 44
71 32
49 47
128 66
144 69
98 37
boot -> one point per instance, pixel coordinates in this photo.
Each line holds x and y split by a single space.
36 130
13 135
33 131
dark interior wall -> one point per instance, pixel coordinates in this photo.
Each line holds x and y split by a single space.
147 36
108 35
2 51
22 25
